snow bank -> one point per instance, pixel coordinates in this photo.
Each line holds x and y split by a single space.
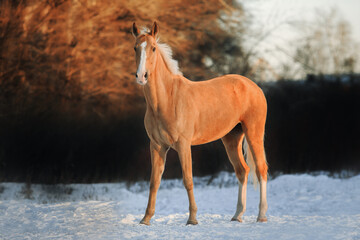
300 207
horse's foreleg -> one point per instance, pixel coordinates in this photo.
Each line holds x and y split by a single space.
158 155
184 151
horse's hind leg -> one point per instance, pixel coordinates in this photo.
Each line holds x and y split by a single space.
233 145
254 132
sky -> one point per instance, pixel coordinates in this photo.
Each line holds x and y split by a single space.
281 9
272 15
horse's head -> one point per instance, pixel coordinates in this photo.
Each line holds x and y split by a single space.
145 52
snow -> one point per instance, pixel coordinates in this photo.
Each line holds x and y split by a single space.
300 207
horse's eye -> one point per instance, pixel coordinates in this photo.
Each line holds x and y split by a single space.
154 49
135 49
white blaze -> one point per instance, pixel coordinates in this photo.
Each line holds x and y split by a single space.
141 68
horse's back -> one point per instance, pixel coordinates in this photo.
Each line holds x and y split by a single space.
241 90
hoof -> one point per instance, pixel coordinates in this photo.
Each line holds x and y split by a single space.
192 222
145 222
236 219
263 219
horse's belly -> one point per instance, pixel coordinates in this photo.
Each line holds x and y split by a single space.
212 131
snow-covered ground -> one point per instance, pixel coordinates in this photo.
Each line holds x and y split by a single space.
300 207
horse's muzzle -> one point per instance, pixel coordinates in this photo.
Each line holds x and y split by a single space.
143 79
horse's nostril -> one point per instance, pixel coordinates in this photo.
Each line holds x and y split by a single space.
146 75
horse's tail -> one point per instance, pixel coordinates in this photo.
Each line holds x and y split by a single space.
251 162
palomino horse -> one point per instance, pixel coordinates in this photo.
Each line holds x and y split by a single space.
181 113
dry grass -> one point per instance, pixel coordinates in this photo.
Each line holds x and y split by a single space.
77 56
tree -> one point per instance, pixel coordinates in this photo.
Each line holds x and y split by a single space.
80 51
324 46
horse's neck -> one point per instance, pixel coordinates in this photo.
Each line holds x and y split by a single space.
159 87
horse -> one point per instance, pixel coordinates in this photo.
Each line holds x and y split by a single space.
181 113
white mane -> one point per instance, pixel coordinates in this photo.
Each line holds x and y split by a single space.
171 63
166 53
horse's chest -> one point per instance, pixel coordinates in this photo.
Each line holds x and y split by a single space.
158 130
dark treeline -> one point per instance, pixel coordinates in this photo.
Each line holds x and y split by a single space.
311 126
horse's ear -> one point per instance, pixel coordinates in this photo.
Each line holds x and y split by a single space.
135 30
155 29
